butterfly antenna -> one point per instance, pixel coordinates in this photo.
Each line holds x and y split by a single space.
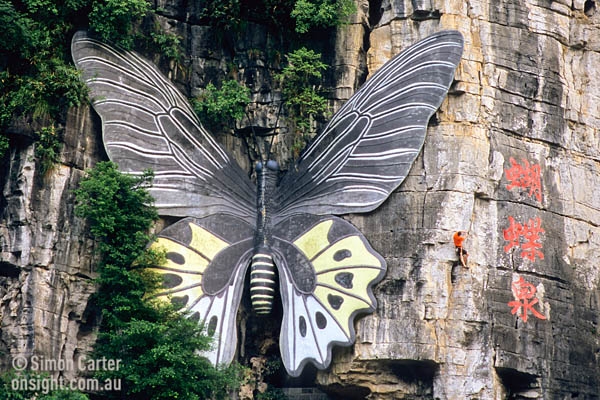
270 145
276 126
249 156
255 138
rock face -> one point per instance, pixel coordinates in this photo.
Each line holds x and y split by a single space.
47 258
512 158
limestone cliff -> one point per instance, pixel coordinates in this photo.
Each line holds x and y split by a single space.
512 157
47 257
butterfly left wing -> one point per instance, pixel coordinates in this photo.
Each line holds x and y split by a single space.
326 269
368 147
204 272
148 124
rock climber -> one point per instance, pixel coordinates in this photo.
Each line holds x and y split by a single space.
459 237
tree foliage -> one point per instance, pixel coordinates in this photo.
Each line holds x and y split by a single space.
300 85
282 16
114 20
32 391
119 209
157 345
222 106
224 15
321 13
37 76
47 147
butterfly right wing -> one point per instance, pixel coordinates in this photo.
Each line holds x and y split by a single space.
327 270
204 272
369 146
148 124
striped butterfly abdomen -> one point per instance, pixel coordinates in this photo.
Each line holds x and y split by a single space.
263 279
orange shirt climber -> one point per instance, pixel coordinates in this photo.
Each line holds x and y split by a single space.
459 238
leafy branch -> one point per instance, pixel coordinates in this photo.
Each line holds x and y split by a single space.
300 85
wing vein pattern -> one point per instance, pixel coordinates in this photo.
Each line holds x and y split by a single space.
148 124
206 260
367 149
327 270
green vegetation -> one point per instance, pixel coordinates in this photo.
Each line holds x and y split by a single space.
157 344
224 15
293 21
3 145
47 147
222 107
300 87
272 367
39 82
321 13
37 78
167 44
114 20
118 207
282 16
37 385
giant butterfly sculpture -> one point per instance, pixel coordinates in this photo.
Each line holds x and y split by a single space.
283 230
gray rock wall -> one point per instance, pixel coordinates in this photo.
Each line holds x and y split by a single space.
516 141
47 258
526 99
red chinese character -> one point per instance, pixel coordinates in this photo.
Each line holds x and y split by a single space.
530 232
524 292
525 176
512 234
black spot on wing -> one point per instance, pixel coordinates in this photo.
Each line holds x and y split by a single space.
177 258
302 326
321 320
171 281
195 317
212 325
342 254
344 279
179 301
335 301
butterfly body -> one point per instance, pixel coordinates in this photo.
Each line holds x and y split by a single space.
263 281
263 272
266 176
285 230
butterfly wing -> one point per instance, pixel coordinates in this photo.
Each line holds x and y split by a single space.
204 272
327 269
368 147
148 124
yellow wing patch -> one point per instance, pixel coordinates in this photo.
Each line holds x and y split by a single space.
344 272
205 242
185 265
315 240
350 251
